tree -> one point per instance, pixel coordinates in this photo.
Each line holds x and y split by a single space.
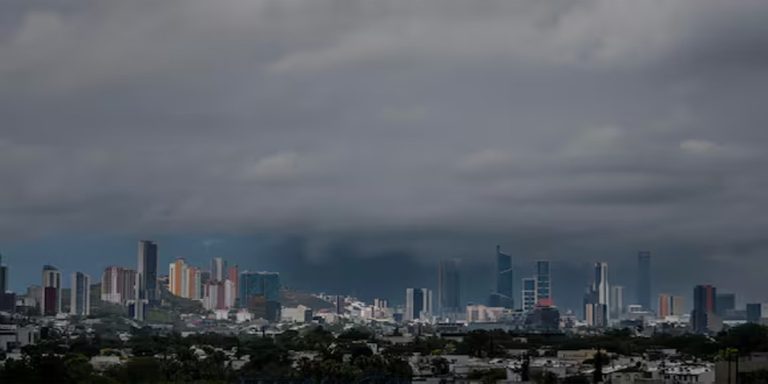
747 338
597 374
525 368
545 377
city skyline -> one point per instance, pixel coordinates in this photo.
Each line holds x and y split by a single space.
356 191
605 293
591 144
521 264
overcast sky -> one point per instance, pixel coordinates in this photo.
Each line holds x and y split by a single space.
572 130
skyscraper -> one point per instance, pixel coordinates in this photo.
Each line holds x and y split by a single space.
594 312
51 300
529 294
704 308
118 285
80 293
219 269
418 304
177 276
644 279
543 283
504 280
665 306
3 276
757 312
191 289
260 291
597 298
234 276
725 302
678 305
340 304
617 301
146 273
448 287
600 284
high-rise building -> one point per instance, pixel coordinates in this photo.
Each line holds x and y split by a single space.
260 292
757 312
448 287
704 308
234 276
418 304
597 298
229 294
265 284
600 284
503 297
678 305
725 302
3 276
595 314
339 304
644 279
219 269
177 277
51 291
216 295
146 273
110 283
80 302
191 289
529 291
617 301
184 280
665 306
118 285
380 303
543 283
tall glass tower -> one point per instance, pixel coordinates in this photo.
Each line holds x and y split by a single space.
146 275
448 287
504 280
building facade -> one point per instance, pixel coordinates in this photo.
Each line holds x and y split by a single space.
529 294
146 273
3 276
80 293
219 270
50 304
418 304
448 287
504 294
704 312
617 301
260 291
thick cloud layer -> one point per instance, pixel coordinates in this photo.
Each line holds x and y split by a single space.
571 129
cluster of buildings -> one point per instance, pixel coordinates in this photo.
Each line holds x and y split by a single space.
219 288
48 297
536 309
660 367
222 288
138 288
215 288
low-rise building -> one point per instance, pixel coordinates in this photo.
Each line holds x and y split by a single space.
13 336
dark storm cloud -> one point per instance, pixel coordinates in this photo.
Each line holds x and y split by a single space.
597 125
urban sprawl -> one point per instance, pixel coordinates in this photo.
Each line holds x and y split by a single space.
223 324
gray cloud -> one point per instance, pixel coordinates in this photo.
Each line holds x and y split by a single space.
589 124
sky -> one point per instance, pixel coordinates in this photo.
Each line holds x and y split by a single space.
353 144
